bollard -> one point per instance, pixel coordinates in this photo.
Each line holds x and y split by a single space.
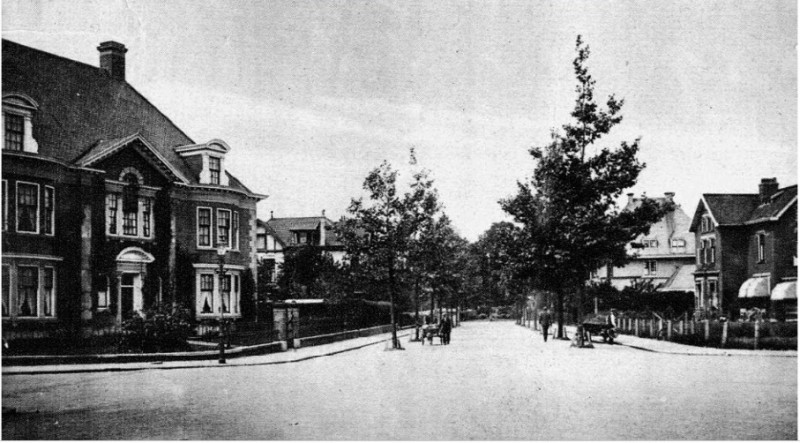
707 331
724 333
669 330
756 333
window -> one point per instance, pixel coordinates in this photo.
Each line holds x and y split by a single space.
712 292
713 249
15 132
235 300
700 253
698 293
269 269
48 293
129 223
650 267
301 238
103 298
6 290
27 207
261 241
207 293
27 291
112 202
5 205
226 293
223 227
215 167
204 226
146 216
707 250
49 210
235 232
761 239
678 243
650 243
706 224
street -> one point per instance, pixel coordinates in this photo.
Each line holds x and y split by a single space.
495 381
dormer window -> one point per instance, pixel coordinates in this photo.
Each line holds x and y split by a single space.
215 168
18 110
15 132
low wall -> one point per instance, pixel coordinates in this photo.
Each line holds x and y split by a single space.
346 335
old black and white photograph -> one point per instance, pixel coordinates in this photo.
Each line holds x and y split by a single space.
399 220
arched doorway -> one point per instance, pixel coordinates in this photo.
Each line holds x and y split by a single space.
131 271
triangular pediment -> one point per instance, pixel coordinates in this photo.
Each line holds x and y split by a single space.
106 149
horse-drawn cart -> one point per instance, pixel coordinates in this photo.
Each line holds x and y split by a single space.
431 331
600 324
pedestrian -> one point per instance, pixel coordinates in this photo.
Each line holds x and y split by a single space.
545 320
447 327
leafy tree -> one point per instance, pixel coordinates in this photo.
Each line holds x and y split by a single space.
378 232
308 272
570 222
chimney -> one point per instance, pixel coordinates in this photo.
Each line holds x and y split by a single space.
669 196
322 229
112 58
767 188
630 198
271 215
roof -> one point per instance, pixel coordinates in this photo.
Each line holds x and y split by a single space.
673 226
681 280
83 110
282 228
739 209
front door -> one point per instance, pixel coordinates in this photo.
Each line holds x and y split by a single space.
130 288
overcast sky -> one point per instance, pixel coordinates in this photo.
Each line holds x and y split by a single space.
311 95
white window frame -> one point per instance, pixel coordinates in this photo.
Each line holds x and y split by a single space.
647 270
6 115
712 246
106 294
211 158
234 310
139 217
235 227
43 295
44 207
713 296
38 206
211 230
230 227
5 205
761 247
678 243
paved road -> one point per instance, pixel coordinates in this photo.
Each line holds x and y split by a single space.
495 381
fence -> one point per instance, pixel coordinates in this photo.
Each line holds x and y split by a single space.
713 333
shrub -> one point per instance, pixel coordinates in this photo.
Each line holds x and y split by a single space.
160 328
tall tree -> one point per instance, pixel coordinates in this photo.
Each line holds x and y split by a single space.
567 210
378 232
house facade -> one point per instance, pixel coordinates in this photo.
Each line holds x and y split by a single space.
746 251
664 256
108 207
276 235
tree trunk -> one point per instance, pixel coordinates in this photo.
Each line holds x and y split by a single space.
395 342
416 309
560 312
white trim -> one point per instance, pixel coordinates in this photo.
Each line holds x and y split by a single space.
143 256
51 160
708 209
235 222
44 206
215 145
215 266
124 142
210 227
54 292
16 207
134 171
31 257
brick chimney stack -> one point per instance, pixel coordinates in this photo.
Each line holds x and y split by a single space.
112 59
767 188
322 229
669 196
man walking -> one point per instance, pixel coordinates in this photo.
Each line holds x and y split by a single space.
545 320
446 328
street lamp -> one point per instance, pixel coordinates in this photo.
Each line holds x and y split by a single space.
221 251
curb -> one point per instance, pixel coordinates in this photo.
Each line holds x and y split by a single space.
220 366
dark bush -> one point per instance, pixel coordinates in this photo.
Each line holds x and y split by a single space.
162 328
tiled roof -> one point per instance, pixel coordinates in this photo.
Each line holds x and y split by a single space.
777 203
731 209
681 280
82 108
282 228
674 225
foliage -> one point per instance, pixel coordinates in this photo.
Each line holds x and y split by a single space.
309 272
378 233
248 295
640 297
159 328
570 222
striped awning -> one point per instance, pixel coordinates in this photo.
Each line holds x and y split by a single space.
754 287
785 291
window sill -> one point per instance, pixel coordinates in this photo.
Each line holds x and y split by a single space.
128 237
30 319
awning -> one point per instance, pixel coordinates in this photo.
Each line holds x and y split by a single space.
785 291
680 280
754 287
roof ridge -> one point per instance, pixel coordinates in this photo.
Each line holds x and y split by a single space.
77 62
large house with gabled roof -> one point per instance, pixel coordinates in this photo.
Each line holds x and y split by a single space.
108 207
276 235
746 254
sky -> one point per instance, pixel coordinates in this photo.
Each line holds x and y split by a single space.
312 95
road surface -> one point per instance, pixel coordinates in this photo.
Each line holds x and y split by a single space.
495 381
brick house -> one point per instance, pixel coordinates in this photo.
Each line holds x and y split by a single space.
746 251
276 235
108 207
664 256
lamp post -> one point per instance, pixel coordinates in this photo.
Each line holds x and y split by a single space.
221 251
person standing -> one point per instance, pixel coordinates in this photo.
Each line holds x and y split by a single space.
447 327
545 320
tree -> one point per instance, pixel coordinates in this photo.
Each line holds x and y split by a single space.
309 272
378 232
570 222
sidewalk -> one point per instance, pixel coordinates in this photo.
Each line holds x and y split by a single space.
667 347
290 356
